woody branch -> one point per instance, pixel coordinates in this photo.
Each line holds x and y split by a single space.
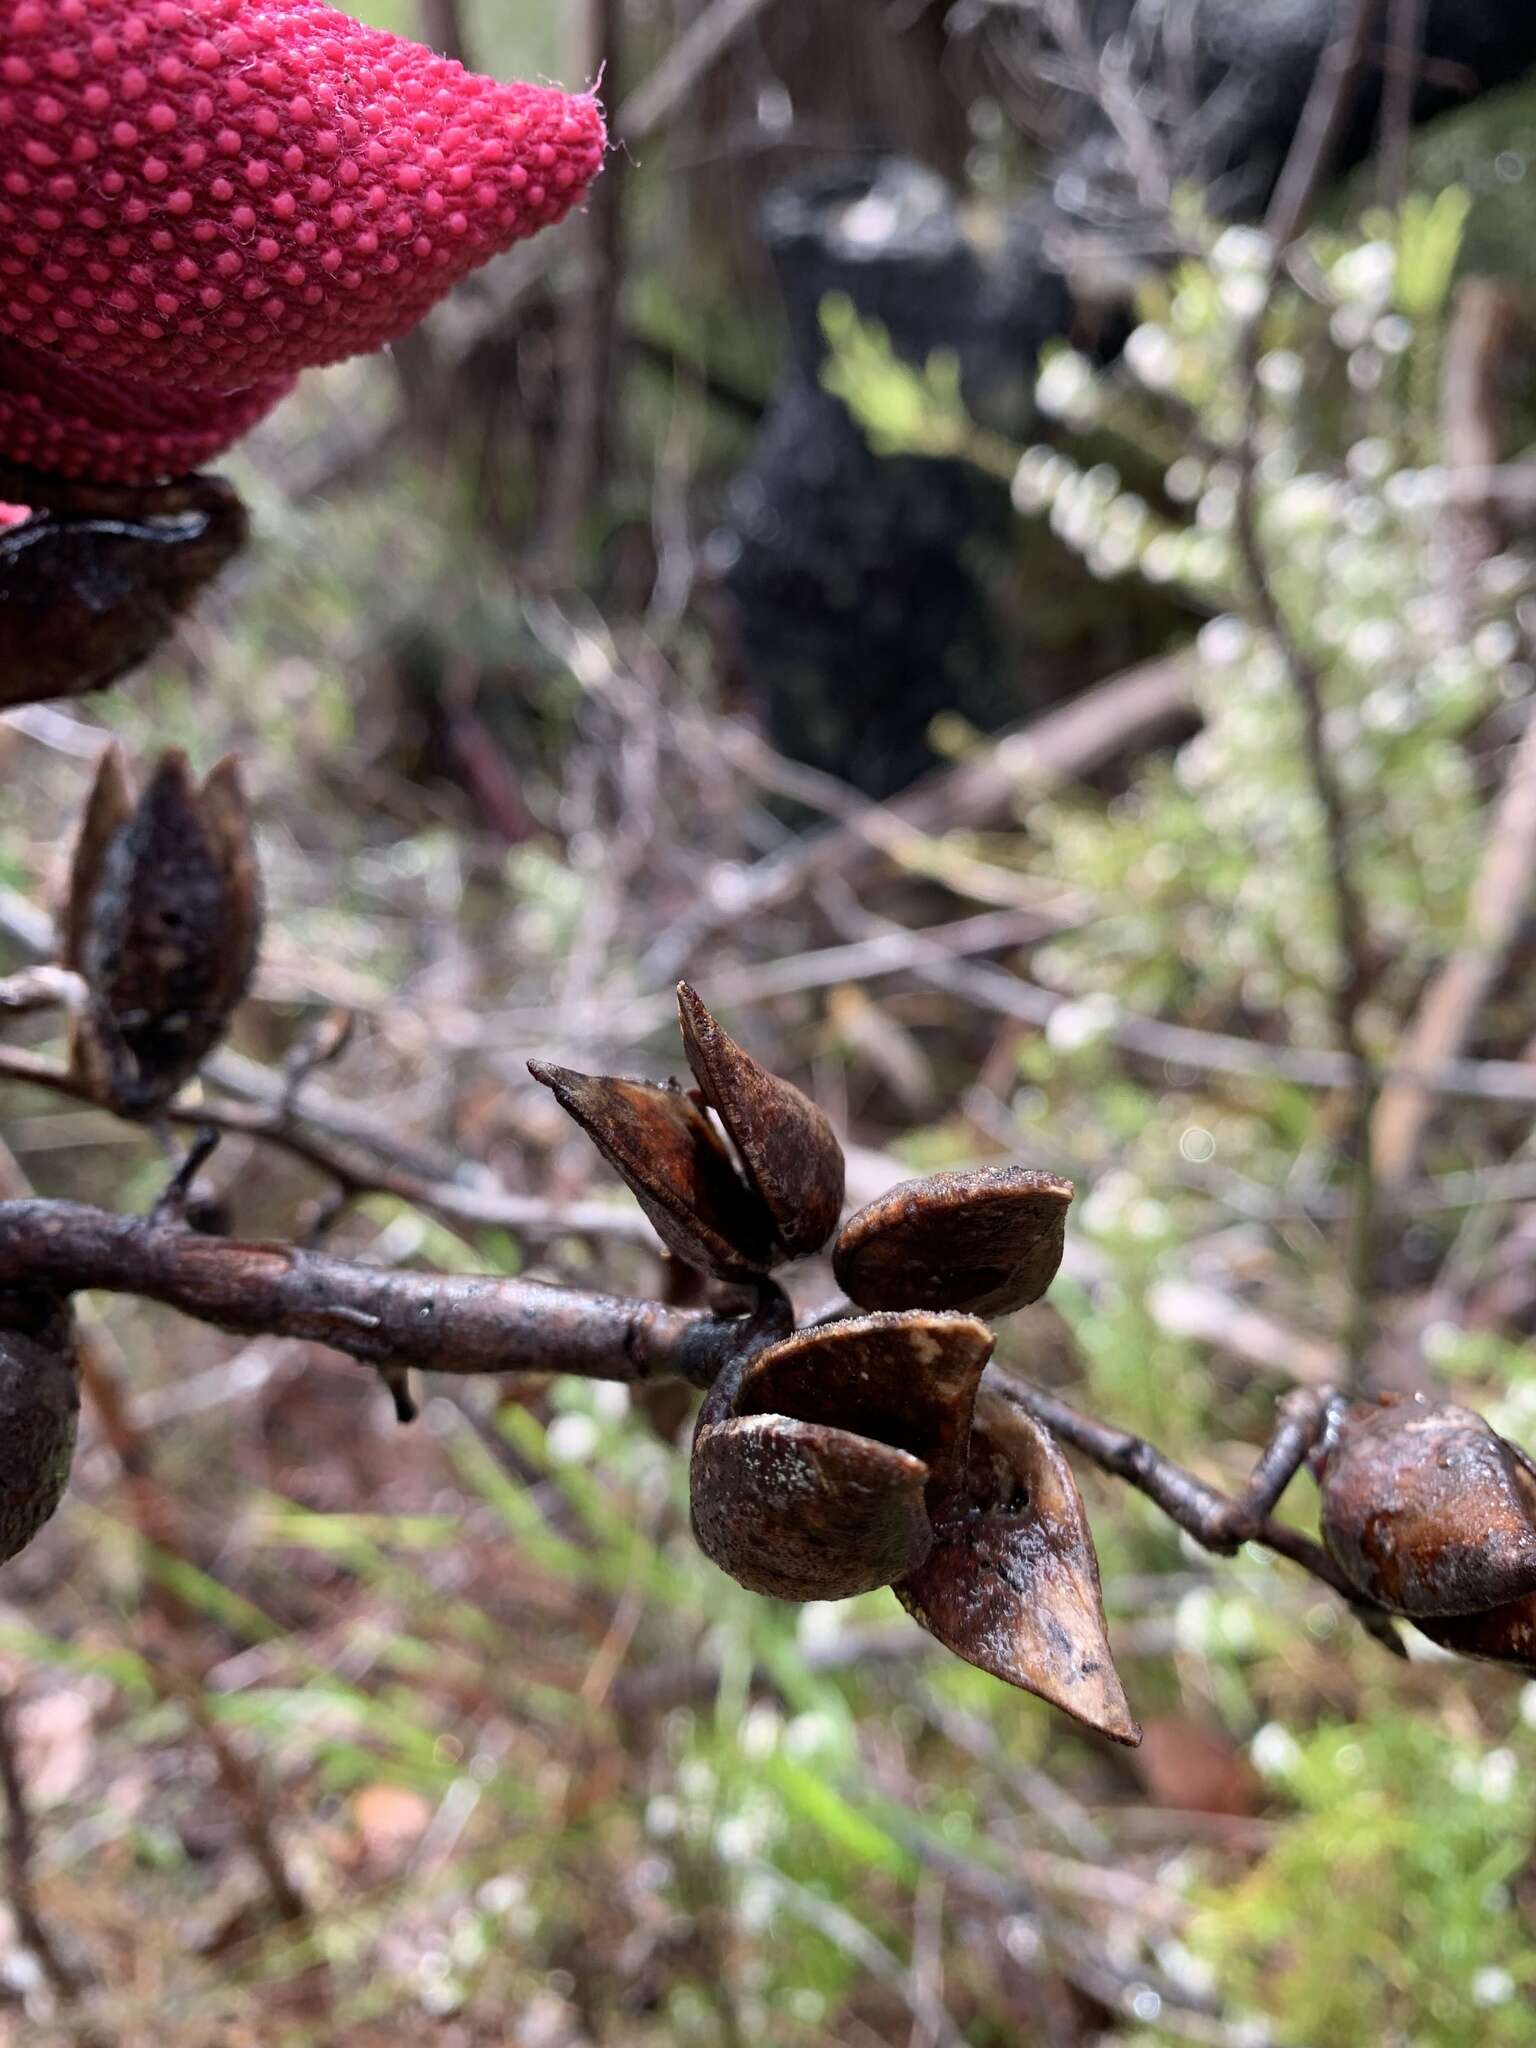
437 1322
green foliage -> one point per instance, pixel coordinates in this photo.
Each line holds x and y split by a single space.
1382 1909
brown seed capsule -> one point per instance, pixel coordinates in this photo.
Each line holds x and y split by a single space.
989 1241
789 1149
1012 1581
907 1380
677 1168
97 577
108 808
812 1469
1500 1635
1427 1510
163 923
39 1412
801 1511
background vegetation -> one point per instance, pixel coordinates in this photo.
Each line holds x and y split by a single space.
337 1732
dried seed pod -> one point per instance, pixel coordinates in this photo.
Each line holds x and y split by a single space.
813 1467
39 1412
97 577
787 1146
989 1241
163 923
1500 1635
801 1511
1012 1581
108 808
1427 1510
907 1380
668 1153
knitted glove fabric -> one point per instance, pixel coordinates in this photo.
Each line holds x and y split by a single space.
199 198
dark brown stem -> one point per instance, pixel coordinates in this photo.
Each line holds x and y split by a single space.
440 1323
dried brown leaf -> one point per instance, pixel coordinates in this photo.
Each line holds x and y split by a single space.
669 1155
989 1241
1427 1510
801 1511
1012 1581
906 1380
788 1147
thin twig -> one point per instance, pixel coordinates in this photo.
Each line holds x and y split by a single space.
1218 1521
19 1850
1311 156
1321 127
1405 36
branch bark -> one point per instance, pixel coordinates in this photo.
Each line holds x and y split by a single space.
438 1322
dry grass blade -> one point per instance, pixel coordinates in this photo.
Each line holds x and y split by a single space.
666 1151
788 1147
989 1241
1012 1582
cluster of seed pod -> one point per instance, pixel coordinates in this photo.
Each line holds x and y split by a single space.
867 1452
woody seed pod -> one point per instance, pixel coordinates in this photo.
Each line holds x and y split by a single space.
163 924
39 1413
989 1242
1427 1510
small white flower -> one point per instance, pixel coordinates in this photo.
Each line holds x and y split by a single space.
1152 356
1067 388
1244 295
1281 372
1496 643
1274 1751
1223 642
1076 1025
1492 1986
1242 249
820 1624
571 1439
1366 274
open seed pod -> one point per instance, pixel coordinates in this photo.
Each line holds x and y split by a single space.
39 1413
669 1155
1427 1510
98 575
1012 1581
811 1471
163 924
988 1241
1500 1635
789 1149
